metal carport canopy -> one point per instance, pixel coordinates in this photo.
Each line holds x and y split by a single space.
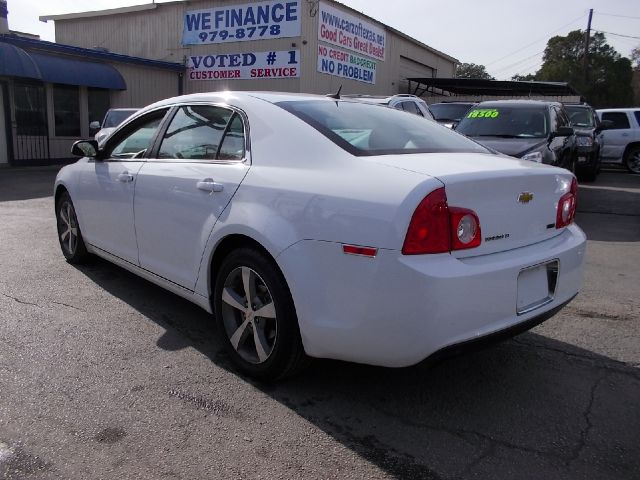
476 86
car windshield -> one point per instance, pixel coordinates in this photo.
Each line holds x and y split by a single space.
364 129
116 117
449 111
580 116
507 122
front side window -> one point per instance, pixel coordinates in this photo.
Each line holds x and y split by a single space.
619 119
411 107
66 108
364 129
135 140
204 132
506 122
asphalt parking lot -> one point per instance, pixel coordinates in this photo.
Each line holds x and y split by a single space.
104 375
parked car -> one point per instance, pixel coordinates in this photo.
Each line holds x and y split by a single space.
621 140
408 103
113 118
367 235
449 114
588 129
532 130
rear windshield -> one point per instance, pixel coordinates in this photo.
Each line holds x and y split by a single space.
507 122
579 116
452 112
364 129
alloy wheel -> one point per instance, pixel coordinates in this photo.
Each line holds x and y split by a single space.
68 227
249 315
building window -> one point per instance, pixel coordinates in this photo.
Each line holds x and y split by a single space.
30 105
99 103
66 106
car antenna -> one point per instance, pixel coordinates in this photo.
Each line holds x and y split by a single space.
335 95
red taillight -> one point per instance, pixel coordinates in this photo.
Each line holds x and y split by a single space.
567 206
437 228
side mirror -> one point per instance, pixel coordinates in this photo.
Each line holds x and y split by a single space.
95 125
85 148
563 132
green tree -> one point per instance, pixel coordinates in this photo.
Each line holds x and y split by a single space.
471 70
520 78
635 58
608 77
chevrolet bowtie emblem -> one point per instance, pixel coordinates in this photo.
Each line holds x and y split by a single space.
525 197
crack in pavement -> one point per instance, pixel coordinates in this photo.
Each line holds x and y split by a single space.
23 302
587 413
620 367
70 306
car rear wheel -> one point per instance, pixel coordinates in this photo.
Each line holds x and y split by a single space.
69 234
255 313
632 160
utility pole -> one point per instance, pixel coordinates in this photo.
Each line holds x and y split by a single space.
586 48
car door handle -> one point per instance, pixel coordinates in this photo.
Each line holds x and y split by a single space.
625 134
208 185
125 177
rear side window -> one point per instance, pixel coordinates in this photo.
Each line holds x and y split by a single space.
507 122
619 119
411 107
198 132
637 115
363 129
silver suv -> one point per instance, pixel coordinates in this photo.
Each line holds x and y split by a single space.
408 103
621 139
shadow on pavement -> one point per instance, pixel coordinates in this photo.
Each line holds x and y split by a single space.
531 407
27 182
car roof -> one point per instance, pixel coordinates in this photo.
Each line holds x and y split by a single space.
628 109
123 109
518 103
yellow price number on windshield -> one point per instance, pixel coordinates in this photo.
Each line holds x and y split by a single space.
483 113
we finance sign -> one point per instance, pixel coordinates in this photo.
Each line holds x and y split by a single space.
241 23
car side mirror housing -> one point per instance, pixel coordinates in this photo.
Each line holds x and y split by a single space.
85 148
95 125
563 132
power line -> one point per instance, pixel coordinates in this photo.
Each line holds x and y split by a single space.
616 34
615 15
518 62
546 37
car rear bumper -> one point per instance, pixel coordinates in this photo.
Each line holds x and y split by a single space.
395 310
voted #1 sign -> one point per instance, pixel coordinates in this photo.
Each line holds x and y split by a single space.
347 65
245 66
241 23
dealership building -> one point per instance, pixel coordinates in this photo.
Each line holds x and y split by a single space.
132 56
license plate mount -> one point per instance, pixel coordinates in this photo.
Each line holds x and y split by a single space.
537 286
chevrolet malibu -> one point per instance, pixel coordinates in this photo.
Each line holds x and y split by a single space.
322 227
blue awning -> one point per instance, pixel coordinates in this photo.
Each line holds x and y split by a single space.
71 71
15 62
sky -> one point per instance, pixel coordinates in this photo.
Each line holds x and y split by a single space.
507 36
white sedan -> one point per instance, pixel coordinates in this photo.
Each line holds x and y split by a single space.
320 227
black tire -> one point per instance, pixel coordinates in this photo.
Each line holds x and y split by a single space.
632 160
266 347
69 234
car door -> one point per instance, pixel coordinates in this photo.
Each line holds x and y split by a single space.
199 162
563 147
615 138
106 188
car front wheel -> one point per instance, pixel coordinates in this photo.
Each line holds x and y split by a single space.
69 234
255 313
